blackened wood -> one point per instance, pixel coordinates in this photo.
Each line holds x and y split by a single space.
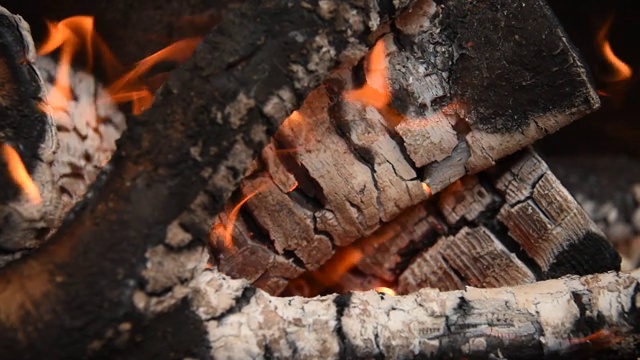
81 285
359 164
26 126
475 233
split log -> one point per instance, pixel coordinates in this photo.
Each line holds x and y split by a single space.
607 186
590 317
415 115
512 224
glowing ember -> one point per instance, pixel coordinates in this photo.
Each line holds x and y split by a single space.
426 189
376 91
385 290
75 32
293 187
621 71
19 173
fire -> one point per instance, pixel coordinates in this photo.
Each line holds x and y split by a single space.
376 91
233 216
621 71
70 35
426 189
19 173
67 35
385 290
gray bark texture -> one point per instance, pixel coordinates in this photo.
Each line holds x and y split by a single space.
595 316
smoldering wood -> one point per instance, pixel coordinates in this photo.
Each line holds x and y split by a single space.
186 151
476 233
94 259
573 317
26 126
346 168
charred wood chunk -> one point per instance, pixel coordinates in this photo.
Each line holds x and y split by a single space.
28 140
512 224
383 133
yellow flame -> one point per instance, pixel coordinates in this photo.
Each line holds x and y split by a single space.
19 174
622 71
385 290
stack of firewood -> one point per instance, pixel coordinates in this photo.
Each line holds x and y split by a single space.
311 148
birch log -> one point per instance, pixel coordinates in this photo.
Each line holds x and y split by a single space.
594 316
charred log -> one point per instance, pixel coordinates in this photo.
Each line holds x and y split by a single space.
85 292
28 136
512 224
417 114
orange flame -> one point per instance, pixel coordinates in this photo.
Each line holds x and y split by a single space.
233 215
376 91
128 87
67 35
426 189
621 71
19 173
72 33
385 290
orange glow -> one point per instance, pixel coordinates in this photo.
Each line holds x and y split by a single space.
231 221
67 35
293 187
19 173
376 91
129 87
426 189
385 290
340 263
621 71
74 33
601 339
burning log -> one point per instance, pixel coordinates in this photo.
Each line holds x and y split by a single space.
381 136
87 293
512 224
